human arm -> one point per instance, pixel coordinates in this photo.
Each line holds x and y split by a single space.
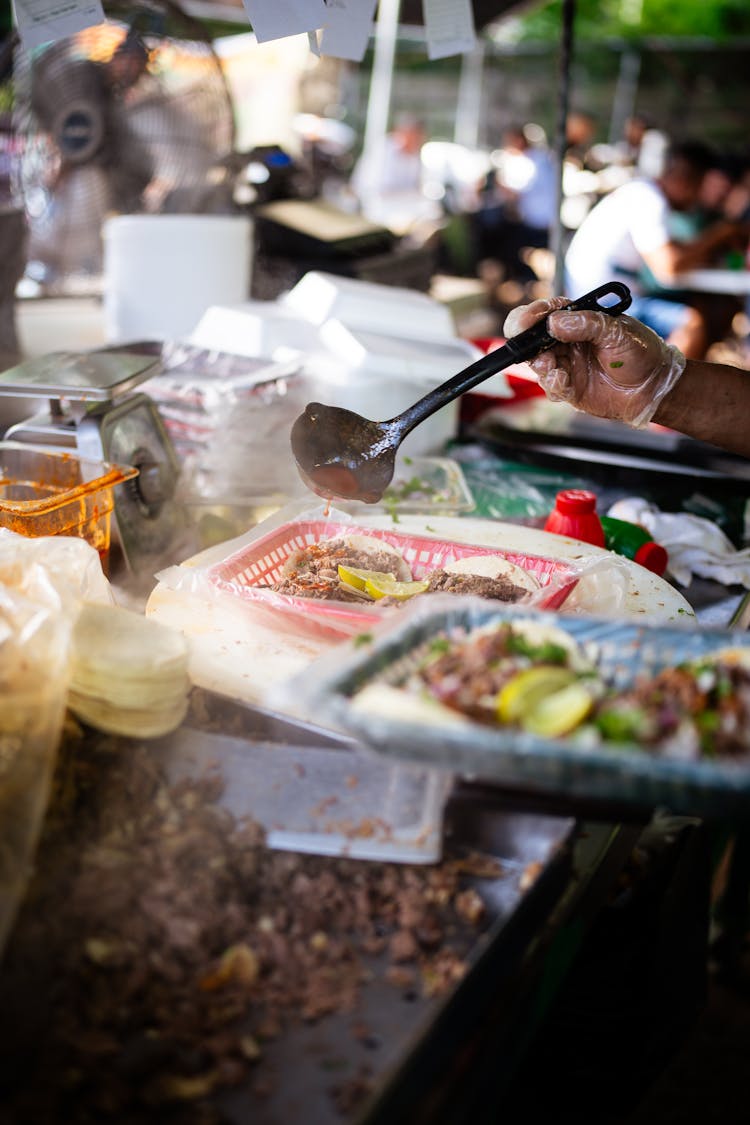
711 402
616 367
672 258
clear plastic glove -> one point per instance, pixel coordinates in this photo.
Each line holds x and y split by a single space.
609 366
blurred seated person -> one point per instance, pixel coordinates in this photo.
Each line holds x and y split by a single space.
629 235
640 152
616 367
717 201
387 180
519 206
582 186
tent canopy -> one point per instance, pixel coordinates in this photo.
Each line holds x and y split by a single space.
232 14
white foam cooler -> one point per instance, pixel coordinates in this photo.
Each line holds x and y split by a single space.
161 272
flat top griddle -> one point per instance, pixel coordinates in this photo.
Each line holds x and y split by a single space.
305 1070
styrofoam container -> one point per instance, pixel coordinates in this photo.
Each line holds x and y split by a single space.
254 328
320 296
402 355
161 272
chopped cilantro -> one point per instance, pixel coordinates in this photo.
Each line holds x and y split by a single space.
439 645
617 363
361 639
547 653
623 725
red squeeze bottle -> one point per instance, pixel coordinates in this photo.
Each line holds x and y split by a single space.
574 514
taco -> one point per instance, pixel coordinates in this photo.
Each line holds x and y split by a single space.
313 571
690 710
485 576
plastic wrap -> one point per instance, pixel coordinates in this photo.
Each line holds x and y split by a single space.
39 600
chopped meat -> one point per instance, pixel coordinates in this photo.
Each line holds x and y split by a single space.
699 709
501 589
315 573
162 945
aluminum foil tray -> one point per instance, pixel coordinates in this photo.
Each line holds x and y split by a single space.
623 772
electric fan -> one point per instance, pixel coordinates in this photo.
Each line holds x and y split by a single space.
133 115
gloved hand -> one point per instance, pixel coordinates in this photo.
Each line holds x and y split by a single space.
609 366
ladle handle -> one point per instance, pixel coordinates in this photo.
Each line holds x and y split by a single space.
516 350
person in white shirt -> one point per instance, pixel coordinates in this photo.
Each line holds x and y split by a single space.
629 236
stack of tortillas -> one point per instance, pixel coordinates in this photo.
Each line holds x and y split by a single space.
129 673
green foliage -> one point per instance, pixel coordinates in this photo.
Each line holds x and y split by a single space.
597 19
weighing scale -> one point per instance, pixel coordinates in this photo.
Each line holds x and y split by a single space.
93 408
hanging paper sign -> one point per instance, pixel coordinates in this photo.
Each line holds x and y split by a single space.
347 29
45 21
276 19
449 27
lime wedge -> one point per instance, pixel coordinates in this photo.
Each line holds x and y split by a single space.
526 689
559 713
358 579
386 586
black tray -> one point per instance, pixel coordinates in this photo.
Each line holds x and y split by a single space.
602 446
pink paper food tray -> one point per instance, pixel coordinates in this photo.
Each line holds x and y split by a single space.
246 572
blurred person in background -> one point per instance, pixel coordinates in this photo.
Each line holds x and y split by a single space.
387 181
518 207
630 235
13 246
644 146
618 368
640 152
580 130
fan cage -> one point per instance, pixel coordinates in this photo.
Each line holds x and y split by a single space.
131 116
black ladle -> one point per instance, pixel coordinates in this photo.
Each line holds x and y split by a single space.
341 454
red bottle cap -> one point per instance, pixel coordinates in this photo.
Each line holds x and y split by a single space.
575 502
574 514
653 556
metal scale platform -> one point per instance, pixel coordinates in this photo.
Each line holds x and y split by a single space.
92 407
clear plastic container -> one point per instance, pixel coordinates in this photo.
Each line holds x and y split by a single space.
434 485
322 801
52 493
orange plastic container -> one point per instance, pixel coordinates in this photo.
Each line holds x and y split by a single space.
51 493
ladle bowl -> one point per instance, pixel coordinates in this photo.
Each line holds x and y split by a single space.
340 454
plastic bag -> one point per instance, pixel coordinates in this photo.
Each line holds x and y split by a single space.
40 595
